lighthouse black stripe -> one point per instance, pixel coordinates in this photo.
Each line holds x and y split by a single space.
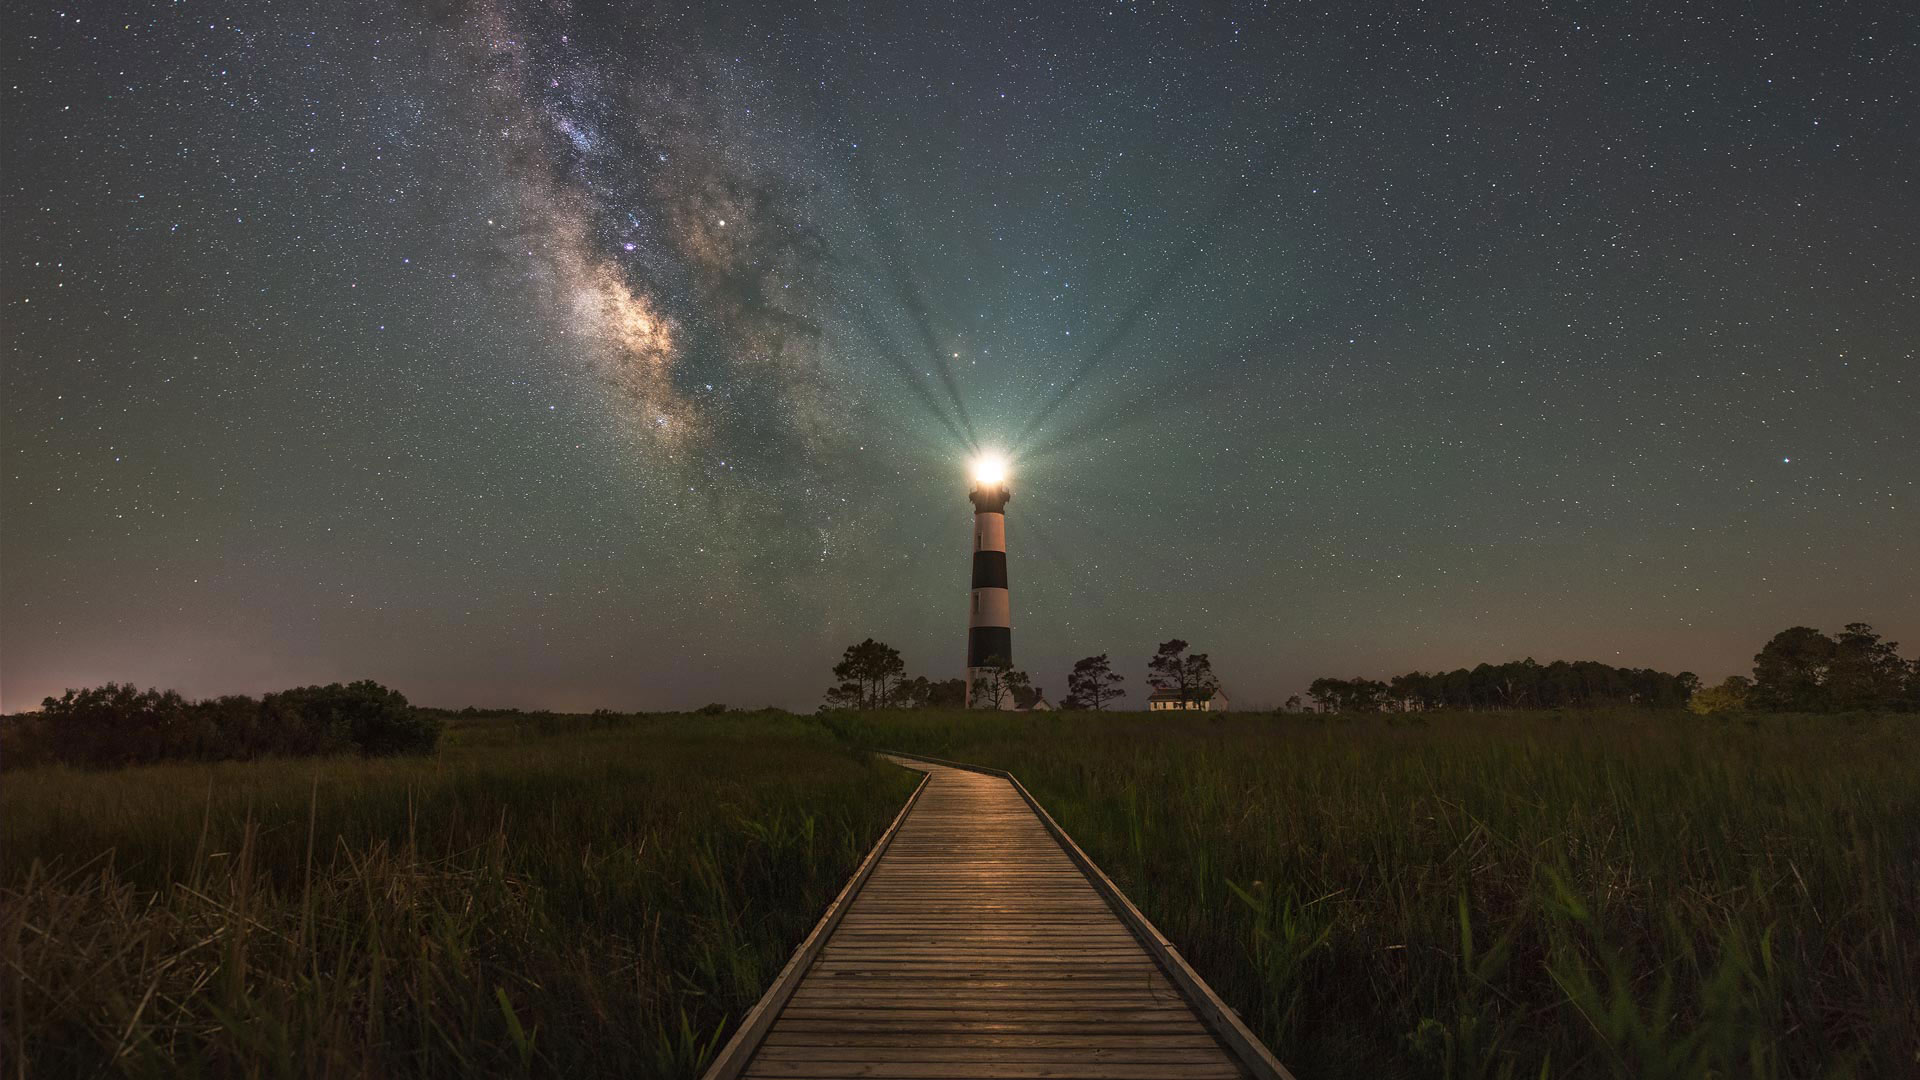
989 569
986 643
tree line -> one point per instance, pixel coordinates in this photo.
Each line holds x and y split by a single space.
1798 670
1801 669
120 724
1518 684
871 675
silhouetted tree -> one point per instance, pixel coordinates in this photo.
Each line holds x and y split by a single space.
363 715
1866 672
118 724
845 696
244 733
947 694
1686 684
920 692
911 693
1189 676
874 670
1325 693
1518 684
1790 671
1729 696
1349 695
998 684
1025 694
1093 683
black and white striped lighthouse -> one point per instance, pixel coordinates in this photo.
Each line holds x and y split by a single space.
989 616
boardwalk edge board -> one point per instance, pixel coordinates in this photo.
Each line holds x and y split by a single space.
1215 1013
733 1057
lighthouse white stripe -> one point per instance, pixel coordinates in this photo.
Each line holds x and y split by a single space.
990 607
989 532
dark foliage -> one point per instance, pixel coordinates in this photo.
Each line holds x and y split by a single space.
947 694
1790 671
998 683
1173 671
1803 670
920 692
1092 684
1025 694
870 674
1518 684
1799 669
119 724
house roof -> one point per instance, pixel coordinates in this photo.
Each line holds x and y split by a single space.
1175 695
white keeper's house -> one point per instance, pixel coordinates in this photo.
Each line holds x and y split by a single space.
1165 700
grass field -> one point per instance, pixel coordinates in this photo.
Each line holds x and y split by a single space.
1595 895
1625 894
547 895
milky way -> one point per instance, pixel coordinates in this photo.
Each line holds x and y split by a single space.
541 354
665 234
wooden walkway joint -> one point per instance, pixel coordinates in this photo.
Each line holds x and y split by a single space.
977 940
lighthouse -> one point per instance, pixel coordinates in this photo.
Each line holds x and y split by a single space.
989 616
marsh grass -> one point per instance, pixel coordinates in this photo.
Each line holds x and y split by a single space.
606 899
1605 894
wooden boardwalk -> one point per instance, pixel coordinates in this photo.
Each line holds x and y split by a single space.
977 947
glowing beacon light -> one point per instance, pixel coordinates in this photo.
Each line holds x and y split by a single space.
989 470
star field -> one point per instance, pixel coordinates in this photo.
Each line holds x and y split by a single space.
551 356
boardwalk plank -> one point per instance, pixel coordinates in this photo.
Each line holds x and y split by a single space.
1197 1069
930 1041
1136 1055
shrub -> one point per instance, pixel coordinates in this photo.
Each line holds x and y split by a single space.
120 724
1729 696
364 715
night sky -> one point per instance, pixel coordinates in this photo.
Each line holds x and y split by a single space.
534 355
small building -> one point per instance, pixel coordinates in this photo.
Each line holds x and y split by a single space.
1208 701
1034 700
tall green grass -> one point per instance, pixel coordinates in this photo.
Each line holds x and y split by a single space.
601 898
1590 895
1609 894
